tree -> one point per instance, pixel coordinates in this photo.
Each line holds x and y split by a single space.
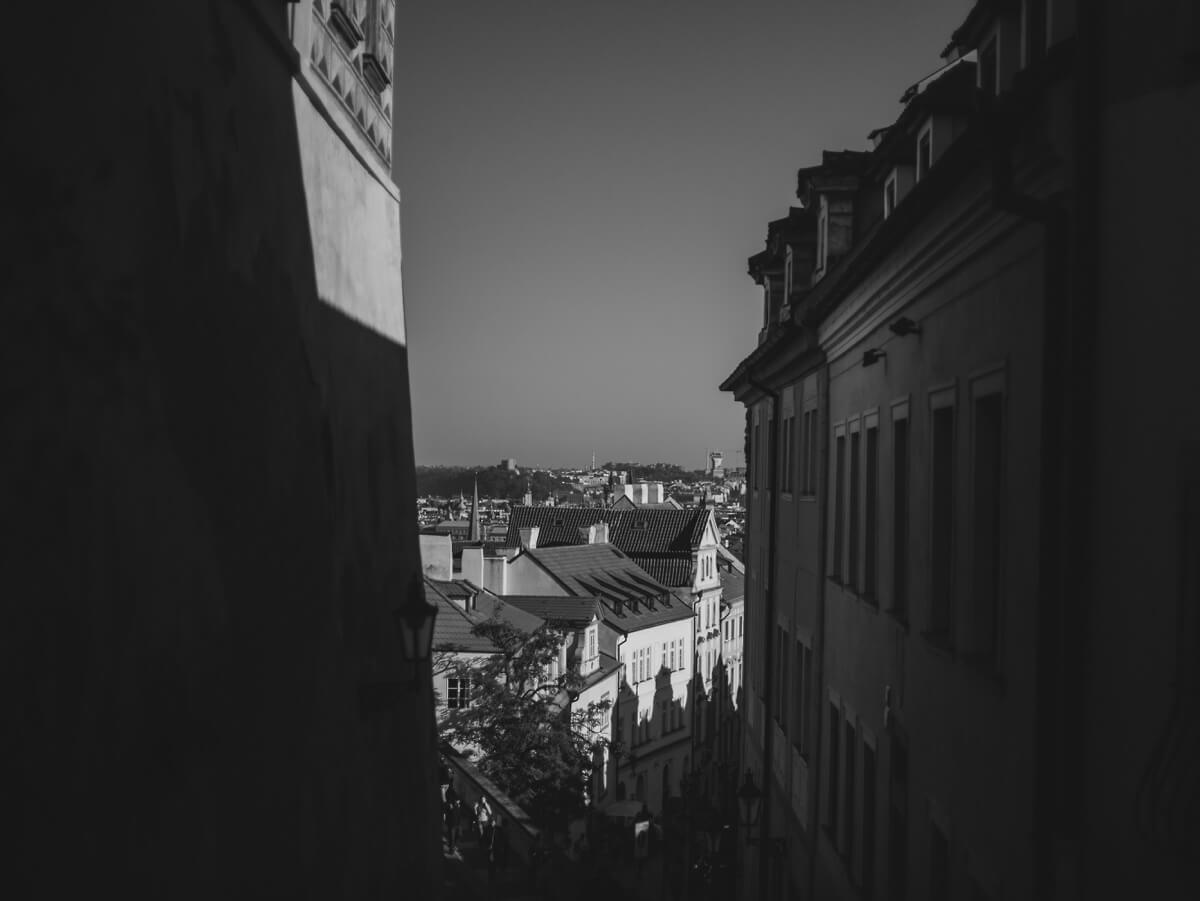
523 726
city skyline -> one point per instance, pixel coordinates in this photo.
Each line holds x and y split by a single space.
581 187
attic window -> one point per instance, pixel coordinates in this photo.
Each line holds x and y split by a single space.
558 522
925 151
641 525
889 195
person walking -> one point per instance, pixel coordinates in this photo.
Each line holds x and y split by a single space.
450 816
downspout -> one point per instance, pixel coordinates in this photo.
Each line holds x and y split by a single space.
768 637
814 754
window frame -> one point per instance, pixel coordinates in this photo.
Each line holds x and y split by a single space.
898 601
941 623
983 385
924 163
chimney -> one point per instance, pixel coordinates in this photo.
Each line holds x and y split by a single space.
529 537
495 575
472 565
656 492
598 533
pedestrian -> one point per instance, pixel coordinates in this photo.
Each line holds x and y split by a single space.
450 816
483 818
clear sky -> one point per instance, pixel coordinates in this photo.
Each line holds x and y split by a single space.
582 183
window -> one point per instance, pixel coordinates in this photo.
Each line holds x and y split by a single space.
781 655
800 714
833 785
822 228
889 195
839 505
868 827
900 512
987 528
989 77
663 664
898 819
941 521
458 693
850 746
808 452
672 658
785 471
925 151
871 511
855 495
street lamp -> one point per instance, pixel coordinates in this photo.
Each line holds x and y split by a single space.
414 621
749 802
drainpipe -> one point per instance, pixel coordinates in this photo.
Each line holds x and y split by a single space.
768 637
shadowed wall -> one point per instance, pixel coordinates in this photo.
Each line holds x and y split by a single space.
207 478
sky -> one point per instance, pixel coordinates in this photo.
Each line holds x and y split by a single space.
582 183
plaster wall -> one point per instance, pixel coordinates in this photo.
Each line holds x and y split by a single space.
208 464
968 726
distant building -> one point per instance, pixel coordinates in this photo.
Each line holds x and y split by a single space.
509 464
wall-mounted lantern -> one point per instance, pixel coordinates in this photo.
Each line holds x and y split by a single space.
414 621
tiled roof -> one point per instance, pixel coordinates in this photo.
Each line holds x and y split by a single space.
454 624
673 571
632 598
660 539
452 628
572 609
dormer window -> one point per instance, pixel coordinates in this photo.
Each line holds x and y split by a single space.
889 195
925 150
822 235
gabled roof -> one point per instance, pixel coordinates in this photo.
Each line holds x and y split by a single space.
631 598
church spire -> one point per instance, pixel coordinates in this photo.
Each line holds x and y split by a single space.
475 531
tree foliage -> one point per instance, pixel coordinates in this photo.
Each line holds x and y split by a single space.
521 726
494 481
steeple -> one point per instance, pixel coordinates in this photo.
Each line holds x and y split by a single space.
475 531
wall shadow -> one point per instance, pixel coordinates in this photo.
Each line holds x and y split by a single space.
196 447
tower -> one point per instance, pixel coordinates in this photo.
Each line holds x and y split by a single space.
475 530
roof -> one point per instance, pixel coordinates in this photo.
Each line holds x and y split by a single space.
454 624
572 609
631 598
660 539
608 666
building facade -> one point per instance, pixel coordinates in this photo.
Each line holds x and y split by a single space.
210 456
932 583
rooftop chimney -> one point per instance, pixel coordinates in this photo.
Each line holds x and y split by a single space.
598 533
529 537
